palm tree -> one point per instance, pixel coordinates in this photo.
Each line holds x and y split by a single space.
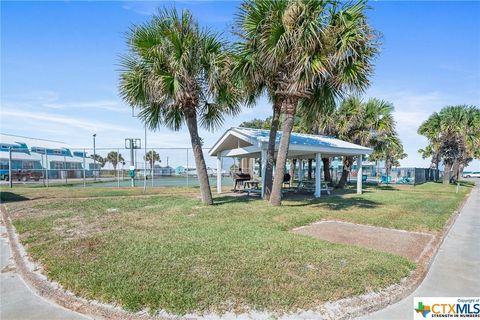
431 129
177 73
99 159
114 158
255 81
453 133
151 157
302 46
388 148
363 123
318 114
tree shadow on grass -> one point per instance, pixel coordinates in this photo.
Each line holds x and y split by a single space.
337 203
333 202
342 204
235 199
386 187
11 197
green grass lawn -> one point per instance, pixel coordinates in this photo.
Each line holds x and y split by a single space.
167 251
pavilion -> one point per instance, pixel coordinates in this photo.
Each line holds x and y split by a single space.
238 142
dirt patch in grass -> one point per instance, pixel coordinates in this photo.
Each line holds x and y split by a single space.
410 245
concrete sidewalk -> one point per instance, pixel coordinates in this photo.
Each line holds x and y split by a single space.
17 301
456 268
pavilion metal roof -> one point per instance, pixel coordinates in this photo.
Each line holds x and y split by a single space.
246 142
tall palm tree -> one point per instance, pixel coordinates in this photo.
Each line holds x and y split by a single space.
151 157
363 123
454 132
317 117
388 148
303 45
256 81
114 158
177 73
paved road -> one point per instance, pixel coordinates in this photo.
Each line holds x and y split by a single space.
456 268
17 301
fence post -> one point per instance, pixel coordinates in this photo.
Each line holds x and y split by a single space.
47 166
10 178
151 171
145 164
65 169
43 175
187 168
118 167
84 169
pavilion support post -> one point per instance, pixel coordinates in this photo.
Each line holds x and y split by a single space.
318 175
300 170
263 161
219 174
359 174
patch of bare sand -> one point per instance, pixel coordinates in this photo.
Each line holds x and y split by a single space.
410 245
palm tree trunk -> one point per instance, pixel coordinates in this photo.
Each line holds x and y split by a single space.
326 169
347 166
290 107
388 164
271 150
460 170
455 168
446 173
202 174
309 174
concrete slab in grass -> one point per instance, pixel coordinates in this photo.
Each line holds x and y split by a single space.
407 244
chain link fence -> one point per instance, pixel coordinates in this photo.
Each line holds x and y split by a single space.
108 167
158 167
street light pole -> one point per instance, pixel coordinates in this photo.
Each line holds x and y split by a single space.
94 159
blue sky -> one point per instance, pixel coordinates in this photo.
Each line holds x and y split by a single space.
59 67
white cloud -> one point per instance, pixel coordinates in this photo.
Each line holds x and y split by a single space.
411 109
148 8
110 105
73 123
143 8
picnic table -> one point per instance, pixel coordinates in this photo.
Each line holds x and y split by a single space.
309 186
251 184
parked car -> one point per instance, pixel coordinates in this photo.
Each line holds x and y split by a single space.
23 175
475 174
